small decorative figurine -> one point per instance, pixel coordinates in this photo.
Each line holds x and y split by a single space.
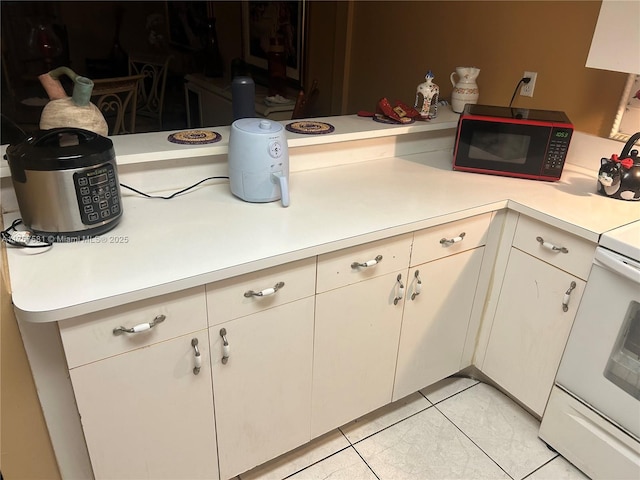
619 176
429 92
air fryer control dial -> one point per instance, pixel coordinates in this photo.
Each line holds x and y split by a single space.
275 149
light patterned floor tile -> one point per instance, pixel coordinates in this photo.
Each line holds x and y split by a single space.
344 465
557 469
446 388
299 458
501 428
384 417
426 446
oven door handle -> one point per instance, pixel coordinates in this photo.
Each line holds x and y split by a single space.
617 264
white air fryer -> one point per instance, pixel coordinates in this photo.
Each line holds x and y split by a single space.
259 161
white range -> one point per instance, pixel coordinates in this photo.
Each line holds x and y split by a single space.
593 414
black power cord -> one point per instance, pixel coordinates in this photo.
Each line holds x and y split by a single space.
173 194
23 238
524 80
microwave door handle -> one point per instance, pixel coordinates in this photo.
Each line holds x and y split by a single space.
616 264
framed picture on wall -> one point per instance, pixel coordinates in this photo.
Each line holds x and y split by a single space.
188 24
265 20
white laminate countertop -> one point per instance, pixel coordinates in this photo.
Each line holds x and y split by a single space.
208 234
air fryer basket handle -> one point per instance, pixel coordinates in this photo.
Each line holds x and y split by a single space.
283 182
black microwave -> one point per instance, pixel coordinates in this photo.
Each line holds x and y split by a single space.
514 142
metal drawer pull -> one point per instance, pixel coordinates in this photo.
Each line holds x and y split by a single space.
400 295
369 263
418 287
194 344
140 328
226 349
265 292
450 241
551 246
567 296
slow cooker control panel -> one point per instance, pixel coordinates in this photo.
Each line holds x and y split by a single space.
98 194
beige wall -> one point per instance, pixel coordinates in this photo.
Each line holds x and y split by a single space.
25 448
395 43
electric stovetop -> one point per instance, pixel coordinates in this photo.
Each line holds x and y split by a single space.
624 240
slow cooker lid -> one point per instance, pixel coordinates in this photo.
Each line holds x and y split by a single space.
61 149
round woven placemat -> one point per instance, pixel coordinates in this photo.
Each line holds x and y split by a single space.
310 128
194 137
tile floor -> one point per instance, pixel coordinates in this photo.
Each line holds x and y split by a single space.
457 429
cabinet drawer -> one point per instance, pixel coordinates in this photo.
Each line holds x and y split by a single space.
345 267
91 337
257 291
571 254
454 237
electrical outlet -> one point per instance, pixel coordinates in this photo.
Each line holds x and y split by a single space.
527 89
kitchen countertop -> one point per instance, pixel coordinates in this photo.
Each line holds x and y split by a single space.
208 234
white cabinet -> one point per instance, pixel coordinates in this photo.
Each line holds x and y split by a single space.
262 389
145 411
442 285
357 329
356 342
539 297
435 323
291 352
146 414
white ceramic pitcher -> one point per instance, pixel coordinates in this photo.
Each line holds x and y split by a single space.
466 90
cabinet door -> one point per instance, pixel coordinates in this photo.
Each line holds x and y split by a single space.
356 342
145 414
263 390
530 328
435 321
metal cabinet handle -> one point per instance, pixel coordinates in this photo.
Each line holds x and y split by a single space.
198 358
567 296
551 246
446 242
418 286
141 327
400 294
369 263
226 349
265 292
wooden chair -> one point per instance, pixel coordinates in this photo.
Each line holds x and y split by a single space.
305 102
114 97
151 89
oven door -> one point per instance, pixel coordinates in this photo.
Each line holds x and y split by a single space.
601 363
501 147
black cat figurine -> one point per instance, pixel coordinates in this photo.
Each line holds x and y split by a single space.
619 177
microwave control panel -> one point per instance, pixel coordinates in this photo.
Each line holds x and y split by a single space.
556 151
98 194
